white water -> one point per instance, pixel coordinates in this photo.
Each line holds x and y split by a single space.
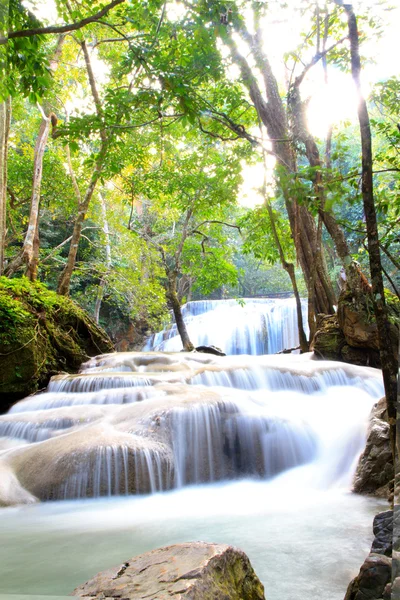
260 326
271 443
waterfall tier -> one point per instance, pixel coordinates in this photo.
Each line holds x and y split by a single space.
259 326
146 422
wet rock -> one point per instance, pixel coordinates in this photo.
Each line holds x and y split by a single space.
375 468
351 334
189 571
210 350
373 581
383 532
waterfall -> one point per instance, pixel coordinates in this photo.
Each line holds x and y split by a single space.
259 326
144 449
134 423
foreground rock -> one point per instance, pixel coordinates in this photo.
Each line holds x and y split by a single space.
189 571
375 472
41 333
374 581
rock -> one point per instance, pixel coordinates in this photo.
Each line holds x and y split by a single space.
329 339
351 335
383 532
396 589
330 343
210 350
375 472
357 321
41 333
189 571
373 581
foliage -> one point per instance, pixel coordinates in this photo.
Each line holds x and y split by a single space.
175 113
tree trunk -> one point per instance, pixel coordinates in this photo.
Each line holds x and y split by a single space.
302 135
172 296
65 277
30 250
272 114
5 117
289 267
29 254
388 359
103 281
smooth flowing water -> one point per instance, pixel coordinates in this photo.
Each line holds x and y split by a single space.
141 450
253 326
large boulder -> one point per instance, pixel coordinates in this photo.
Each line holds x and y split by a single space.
41 333
189 571
375 470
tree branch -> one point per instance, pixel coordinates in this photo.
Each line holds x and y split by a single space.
62 28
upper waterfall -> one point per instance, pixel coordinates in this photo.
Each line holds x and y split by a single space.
258 326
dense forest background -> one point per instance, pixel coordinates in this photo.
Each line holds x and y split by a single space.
130 132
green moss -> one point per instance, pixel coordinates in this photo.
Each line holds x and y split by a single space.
41 333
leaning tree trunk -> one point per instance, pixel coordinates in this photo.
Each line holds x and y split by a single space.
5 117
65 277
388 358
272 114
29 253
172 296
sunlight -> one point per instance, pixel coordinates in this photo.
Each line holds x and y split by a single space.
175 11
330 104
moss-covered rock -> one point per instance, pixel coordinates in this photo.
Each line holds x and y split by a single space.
351 335
188 571
41 333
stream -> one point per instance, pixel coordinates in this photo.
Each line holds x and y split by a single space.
145 449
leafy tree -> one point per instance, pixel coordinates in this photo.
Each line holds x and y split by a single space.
189 197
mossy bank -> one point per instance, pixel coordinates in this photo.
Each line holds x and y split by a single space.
41 333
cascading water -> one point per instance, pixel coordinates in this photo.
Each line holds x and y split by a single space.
256 451
253 326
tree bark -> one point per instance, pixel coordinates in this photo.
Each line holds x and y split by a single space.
388 359
5 117
172 296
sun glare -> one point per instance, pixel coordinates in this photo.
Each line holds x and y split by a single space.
330 104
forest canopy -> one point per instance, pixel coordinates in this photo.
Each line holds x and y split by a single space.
154 152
